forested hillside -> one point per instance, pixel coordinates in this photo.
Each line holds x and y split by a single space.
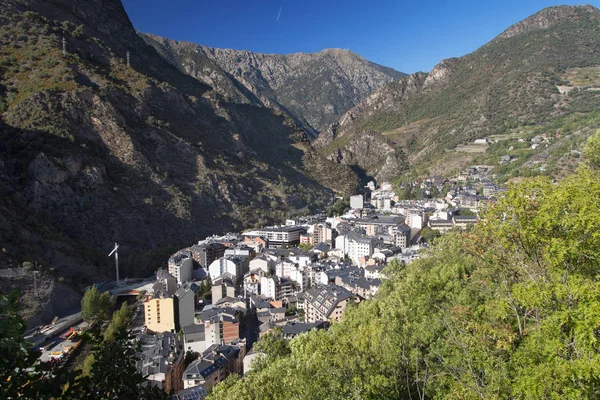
537 74
508 309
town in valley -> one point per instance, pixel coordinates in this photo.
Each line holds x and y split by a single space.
197 320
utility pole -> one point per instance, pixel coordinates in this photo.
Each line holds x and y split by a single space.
35 287
64 46
128 64
116 253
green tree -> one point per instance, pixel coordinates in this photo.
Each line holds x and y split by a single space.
190 356
591 151
466 212
96 306
21 375
429 235
508 309
338 208
305 246
273 344
120 320
113 373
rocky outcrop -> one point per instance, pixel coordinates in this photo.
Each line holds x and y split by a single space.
548 17
441 73
375 157
348 143
315 88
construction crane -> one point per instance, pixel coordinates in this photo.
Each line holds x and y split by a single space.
116 253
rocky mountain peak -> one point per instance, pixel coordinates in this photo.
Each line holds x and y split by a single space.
548 17
315 88
441 72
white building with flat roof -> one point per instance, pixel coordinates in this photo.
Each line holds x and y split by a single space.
279 236
357 201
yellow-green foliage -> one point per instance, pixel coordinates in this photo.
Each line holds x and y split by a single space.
96 306
507 310
592 151
120 320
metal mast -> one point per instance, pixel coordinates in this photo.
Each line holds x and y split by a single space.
116 253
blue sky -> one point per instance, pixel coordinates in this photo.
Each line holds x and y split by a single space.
408 36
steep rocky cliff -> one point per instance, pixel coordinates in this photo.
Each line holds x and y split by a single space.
315 88
93 150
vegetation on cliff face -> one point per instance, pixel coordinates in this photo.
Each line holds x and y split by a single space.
508 309
542 70
93 150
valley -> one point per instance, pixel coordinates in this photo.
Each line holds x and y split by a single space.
357 231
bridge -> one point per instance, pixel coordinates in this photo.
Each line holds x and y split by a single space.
127 287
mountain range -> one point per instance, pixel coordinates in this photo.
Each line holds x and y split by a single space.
537 73
315 88
113 135
103 140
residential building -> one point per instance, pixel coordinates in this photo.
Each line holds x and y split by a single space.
342 243
322 233
442 225
206 372
279 236
185 305
233 265
241 251
193 393
359 246
300 258
206 251
326 303
221 326
161 359
264 263
215 364
299 277
270 287
252 282
237 303
287 288
463 221
284 268
222 287
193 338
374 271
180 266
401 234
261 242
159 312
271 315
295 329
357 201
165 281
307 238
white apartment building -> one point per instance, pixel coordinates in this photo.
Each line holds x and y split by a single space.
359 246
180 266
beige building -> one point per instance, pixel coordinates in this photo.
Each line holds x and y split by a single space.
159 313
326 303
322 233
